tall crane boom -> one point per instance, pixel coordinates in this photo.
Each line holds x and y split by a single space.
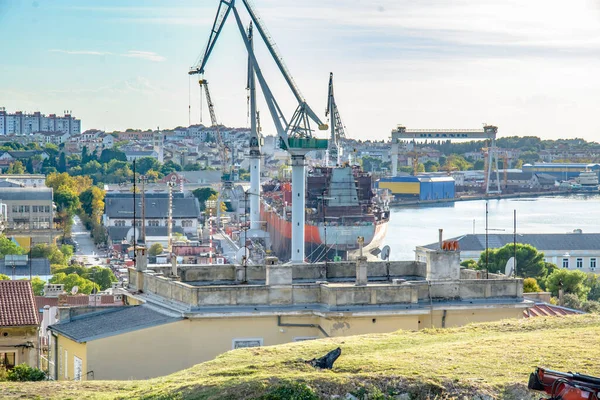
337 127
223 153
220 18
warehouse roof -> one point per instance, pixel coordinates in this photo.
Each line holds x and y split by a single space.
39 267
120 232
155 207
541 241
111 322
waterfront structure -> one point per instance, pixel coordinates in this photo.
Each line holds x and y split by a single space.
575 251
29 214
19 322
419 187
561 171
21 123
237 306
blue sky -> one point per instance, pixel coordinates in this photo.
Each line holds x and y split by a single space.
530 67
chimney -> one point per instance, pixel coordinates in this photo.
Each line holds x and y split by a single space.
173 265
441 237
141 258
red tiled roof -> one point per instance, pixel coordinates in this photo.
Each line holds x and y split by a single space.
548 310
17 304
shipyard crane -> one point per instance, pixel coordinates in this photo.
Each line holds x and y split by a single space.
295 135
488 132
226 192
334 148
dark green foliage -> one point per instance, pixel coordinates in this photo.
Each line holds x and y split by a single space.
110 154
25 373
530 262
203 194
572 282
290 391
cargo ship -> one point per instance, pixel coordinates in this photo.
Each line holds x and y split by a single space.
341 206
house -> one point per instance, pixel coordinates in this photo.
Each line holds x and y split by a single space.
119 212
9 157
577 250
110 344
137 154
19 323
26 180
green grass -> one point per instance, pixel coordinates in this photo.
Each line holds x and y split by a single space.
494 359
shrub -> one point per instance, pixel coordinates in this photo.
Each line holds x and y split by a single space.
591 307
571 300
530 285
3 373
25 373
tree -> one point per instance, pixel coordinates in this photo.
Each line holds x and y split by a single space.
169 167
530 285
192 167
593 282
144 164
4 277
203 194
530 262
431 166
470 264
62 163
37 285
155 249
84 285
112 154
7 247
103 277
16 168
84 155
572 282
54 254
92 203
29 165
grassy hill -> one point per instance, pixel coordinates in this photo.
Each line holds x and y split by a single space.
477 361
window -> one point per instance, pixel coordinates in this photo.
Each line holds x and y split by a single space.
26 208
119 222
153 223
243 343
15 209
21 209
580 263
77 368
8 360
592 263
34 209
304 338
47 209
186 223
565 263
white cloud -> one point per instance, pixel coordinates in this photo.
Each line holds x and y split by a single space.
145 55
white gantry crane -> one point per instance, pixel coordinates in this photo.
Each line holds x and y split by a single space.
337 132
488 132
295 135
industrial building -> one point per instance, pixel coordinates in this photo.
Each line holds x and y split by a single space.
561 171
419 187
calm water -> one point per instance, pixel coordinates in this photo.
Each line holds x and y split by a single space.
414 226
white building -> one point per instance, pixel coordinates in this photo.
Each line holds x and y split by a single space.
21 123
577 250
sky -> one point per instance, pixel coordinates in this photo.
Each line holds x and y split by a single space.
529 67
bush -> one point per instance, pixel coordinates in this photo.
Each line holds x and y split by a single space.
25 373
591 307
571 300
3 373
530 285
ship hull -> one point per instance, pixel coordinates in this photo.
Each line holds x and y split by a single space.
338 240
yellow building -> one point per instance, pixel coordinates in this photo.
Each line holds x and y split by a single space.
209 310
19 322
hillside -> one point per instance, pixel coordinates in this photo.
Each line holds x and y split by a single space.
492 359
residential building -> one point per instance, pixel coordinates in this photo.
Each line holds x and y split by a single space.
119 213
25 124
30 213
19 323
575 251
205 177
137 154
9 157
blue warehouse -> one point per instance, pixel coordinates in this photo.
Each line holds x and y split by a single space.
420 187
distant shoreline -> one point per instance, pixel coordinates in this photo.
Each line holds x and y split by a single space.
398 204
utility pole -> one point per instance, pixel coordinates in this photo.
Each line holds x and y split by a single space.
143 180
515 241
134 219
487 271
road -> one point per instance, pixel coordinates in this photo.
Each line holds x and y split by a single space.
86 249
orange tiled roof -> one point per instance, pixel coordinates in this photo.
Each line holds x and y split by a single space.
17 304
548 310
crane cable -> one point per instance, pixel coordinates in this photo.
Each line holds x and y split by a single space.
200 103
189 100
